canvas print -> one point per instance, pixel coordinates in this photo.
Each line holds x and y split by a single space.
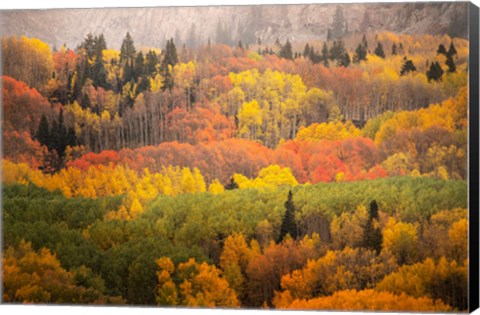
308 156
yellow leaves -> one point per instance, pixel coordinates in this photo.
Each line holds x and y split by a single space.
449 115
400 239
269 177
184 73
340 177
192 284
216 187
369 300
398 164
135 208
16 173
347 229
442 279
156 83
110 56
328 131
458 235
100 181
250 120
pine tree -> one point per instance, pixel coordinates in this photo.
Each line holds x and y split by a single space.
127 51
170 59
344 61
394 49
99 74
314 57
379 51
360 53
452 50
450 64
289 226
407 66
139 65
60 136
286 51
325 56
127 56
435 72
339 54
441 50
372 233
151 62
43 133
306 51
231 185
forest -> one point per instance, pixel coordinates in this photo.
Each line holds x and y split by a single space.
291 175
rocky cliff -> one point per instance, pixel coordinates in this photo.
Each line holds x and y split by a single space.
150 27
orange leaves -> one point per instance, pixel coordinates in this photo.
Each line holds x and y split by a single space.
192 284
22 106
199 125
368 300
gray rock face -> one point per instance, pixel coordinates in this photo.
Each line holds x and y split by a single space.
150 27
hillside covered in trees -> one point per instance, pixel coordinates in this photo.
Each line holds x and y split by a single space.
284 174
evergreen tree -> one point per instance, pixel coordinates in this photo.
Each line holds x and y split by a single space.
43 133
441 50
372 233
306 51
139 65
325 55
407 66
88 44
450 64
240 45
127 56
435 72
170 59
289 226
151 62
71 137
329 35
127 51
452 50
286 51
60 135
231 185
394 49
379 51
344 61
360 53
364 42
314 56
99 74
338 53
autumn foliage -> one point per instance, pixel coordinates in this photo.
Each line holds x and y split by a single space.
219 176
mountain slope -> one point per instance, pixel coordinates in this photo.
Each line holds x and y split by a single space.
150 27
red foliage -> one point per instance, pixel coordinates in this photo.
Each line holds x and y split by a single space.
311 161
199 125
21 148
